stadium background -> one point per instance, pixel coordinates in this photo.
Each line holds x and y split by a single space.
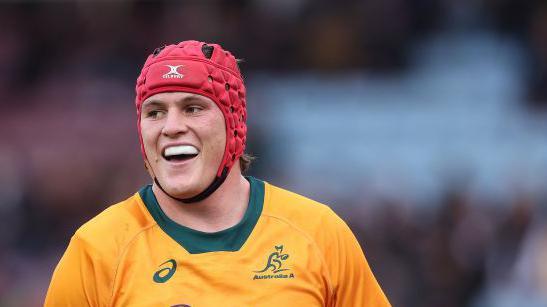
422 123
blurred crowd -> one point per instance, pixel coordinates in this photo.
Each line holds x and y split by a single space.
464 252
69 145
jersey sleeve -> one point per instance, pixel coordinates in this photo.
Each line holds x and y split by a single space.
80 278
352 279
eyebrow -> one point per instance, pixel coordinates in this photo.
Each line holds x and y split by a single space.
157 102
151 103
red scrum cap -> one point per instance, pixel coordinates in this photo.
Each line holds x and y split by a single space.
204 69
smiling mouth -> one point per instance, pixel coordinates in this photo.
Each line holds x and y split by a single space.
180 153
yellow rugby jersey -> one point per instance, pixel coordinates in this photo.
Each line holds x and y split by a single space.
287 250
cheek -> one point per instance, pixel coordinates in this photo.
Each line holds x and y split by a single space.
220 135
147 135
215 130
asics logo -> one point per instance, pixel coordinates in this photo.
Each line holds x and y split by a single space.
165 273
173 73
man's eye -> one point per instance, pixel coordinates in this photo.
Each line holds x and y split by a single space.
154 114
193 109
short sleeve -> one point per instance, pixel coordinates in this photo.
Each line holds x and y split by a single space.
79 278
352 279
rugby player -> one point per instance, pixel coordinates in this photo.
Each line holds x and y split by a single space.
202 233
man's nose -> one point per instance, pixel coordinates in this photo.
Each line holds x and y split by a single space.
175 124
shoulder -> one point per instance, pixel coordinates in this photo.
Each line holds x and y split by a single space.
115 227
290 204
313 218
86 272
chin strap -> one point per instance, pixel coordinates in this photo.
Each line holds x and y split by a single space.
200 196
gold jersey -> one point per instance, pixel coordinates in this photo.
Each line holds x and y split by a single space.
286 251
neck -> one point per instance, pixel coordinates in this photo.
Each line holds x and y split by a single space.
221 210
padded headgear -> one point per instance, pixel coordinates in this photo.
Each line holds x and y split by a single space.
204 69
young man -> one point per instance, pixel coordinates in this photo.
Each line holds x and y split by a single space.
202 234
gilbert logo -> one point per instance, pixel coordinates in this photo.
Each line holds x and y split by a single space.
173 73
165 273
274 266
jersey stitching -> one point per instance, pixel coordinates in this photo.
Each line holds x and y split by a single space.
314 244
121 256
83 245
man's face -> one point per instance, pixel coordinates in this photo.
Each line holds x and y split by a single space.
184 137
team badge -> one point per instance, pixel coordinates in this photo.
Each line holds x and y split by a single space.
274 266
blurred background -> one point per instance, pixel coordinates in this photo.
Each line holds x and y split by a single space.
422 123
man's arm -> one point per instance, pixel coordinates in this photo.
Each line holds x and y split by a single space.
353 282
78 280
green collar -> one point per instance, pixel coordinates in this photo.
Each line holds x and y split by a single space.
197 242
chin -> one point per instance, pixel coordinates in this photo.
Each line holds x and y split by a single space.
181 187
